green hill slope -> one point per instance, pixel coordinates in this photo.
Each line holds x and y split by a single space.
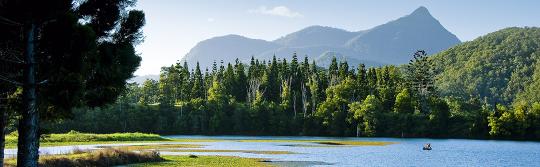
502 66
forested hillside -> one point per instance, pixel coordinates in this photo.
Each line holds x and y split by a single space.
296 97
502 67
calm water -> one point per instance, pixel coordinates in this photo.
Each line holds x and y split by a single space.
407 152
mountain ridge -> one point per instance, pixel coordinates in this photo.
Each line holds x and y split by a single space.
389 43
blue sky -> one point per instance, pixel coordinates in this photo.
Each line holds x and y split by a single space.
175 26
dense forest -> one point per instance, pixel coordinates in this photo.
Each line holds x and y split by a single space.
278 97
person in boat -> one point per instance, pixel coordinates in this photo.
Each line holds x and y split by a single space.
427 147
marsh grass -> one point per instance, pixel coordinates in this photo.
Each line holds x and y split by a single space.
74 136
154 146
78 138
207 161
102 157
186 148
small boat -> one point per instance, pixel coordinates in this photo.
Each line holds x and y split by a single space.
427 147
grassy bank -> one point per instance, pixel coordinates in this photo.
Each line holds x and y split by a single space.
155 147
208 161
105 157
76 138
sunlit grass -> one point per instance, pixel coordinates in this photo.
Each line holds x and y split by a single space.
155 146
187 148
209 161
103 157
77 138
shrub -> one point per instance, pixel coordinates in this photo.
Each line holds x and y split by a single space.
103 157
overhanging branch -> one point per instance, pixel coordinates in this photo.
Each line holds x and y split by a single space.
7 21
3 78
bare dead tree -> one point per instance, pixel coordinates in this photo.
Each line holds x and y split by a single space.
304 99
314 88
254 85
287 82
333 80
294 103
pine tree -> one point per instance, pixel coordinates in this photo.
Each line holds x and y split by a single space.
187 83
333 72
149 92
362 83
372 81
241 83
420 78
228 80
166 86
343 71
271 82
198 90
253 68
73 62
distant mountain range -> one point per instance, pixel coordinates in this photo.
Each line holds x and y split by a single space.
390 43
140 79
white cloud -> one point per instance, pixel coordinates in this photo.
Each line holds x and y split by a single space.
210 19
276 11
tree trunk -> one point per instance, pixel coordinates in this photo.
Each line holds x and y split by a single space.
358 130
294 103
3 122
28 145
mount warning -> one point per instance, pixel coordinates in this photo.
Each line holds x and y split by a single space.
389 43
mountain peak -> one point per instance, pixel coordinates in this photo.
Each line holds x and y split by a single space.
421 11
389 43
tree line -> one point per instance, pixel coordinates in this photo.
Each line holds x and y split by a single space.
278 97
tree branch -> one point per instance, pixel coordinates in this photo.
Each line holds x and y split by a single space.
7 21
3 78
12 61
43 82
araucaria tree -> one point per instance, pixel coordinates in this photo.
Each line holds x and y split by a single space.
420 78
73 53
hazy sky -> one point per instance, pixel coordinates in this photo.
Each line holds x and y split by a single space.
173 27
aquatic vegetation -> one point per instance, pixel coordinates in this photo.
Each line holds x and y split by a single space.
74 136
208 161
78 138
154 146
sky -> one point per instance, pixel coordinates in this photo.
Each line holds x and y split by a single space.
173 27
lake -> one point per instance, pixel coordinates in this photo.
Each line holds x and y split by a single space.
405 152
